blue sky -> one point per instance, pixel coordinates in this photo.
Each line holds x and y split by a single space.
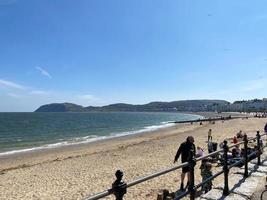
97 52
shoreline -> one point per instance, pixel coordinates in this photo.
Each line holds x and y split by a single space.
91 139
203 116
86 142
77 145
90 145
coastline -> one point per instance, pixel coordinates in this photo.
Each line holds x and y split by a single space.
91 145
93 138
40 151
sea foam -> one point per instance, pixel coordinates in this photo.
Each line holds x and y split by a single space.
88 139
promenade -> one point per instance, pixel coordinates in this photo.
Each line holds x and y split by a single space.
241 188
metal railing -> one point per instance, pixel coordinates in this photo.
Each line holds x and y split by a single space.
119 187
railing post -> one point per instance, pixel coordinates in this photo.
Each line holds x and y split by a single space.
192 163
225 169
119 187
246 155
258 147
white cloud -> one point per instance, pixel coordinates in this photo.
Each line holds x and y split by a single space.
88 97
43 72
12 85
39 92
13 95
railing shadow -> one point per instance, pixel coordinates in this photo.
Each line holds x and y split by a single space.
240 182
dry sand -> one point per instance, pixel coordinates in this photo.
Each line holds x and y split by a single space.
78 171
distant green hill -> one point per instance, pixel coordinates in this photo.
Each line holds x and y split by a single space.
60 107
186 105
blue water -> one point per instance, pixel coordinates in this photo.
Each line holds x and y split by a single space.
30 131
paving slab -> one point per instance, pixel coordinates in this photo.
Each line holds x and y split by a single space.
212 195
248 187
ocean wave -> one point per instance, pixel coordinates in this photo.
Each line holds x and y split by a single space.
88 139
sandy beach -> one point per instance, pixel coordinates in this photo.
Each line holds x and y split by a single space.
75 172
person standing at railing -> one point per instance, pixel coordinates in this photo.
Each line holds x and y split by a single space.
184 150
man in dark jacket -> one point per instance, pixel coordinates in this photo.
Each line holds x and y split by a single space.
185 149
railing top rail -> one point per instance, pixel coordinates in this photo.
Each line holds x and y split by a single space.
263 134
139 180
233 145
211 154
99 195
250 139
145 178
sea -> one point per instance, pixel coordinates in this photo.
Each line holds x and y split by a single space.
22 132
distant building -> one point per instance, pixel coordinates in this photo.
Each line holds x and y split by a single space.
255 105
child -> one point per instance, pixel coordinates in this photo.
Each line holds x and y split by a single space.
239 135
206 173
234 140
209 135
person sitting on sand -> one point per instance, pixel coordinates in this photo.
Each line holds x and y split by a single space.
238 150
236 153
234 140
200 152
221 145
185 149
239 134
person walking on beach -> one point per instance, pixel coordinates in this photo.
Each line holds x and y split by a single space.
185 149
209 135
